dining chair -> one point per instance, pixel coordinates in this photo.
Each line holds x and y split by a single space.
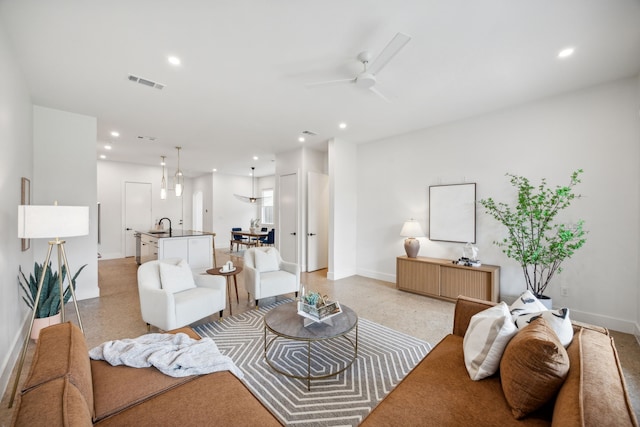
269 239
238 239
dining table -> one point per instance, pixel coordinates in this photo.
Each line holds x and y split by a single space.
253 237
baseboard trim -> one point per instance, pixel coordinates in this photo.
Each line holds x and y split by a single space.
13 354
636 332
337 275
114 255
385 277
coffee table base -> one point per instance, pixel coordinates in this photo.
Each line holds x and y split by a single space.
309 377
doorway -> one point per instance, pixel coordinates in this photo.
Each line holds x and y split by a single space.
288 226
137 213
317 221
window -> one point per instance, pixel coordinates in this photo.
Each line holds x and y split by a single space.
266 209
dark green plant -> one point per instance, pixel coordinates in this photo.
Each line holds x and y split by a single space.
49 304
538 243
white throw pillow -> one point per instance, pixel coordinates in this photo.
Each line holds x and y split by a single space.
558 320
176 278
484 342
525 304
266 261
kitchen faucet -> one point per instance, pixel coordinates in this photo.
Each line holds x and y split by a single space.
160 222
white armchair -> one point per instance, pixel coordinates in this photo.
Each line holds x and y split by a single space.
171 296
267 275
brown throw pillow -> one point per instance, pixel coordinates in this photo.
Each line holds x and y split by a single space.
533 368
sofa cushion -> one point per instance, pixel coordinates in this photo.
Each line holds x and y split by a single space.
54 403
486 338
215 399
594 392
439 392
176 278
526 303
558 320
533 367
62 351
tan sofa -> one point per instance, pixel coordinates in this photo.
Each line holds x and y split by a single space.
66 388
439 391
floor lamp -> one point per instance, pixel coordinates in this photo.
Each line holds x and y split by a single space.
50 222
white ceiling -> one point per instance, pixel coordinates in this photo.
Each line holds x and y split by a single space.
241 89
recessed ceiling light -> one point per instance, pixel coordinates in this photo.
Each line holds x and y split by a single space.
214 170
173 60
102 156
115 134
107 147
342 125
255 157
301 139
566 52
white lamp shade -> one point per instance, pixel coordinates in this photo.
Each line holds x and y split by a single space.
411 228
52 221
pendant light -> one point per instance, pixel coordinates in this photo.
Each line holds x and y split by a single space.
178 178
163 183
253 198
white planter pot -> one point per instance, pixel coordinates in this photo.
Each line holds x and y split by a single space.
546 301
41 323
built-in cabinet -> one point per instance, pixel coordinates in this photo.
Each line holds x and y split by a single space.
441 278
198 251
148 249
193 246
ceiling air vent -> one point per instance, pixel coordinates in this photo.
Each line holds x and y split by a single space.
145 82
147 138
308 132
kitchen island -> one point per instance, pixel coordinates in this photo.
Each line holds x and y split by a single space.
196 247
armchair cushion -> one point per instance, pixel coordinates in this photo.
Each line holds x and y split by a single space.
176 278
267 261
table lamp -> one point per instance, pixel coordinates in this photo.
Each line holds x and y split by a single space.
411 229
51 222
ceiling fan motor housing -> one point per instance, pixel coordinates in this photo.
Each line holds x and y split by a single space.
365 80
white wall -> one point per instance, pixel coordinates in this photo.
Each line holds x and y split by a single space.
112 177
595 129
344 224
228 211
16 121
64 165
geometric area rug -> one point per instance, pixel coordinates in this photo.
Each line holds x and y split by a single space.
385 357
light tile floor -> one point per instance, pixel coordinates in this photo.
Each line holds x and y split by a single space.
116 314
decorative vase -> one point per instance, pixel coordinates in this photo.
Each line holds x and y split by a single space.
41 323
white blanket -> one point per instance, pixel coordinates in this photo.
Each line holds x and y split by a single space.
176 355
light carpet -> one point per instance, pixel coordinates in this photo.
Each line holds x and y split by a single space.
384 357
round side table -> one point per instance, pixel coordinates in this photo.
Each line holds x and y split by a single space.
228 275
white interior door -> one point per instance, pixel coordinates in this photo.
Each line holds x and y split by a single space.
137 213
317 221
288 226
197 212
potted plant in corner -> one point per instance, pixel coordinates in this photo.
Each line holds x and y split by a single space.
48 312
535 239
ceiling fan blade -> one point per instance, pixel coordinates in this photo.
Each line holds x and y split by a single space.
330 82
394 46
377 92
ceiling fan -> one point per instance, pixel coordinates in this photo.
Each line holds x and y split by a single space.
253 198
367 78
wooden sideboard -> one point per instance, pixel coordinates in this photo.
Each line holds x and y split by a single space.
441 278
